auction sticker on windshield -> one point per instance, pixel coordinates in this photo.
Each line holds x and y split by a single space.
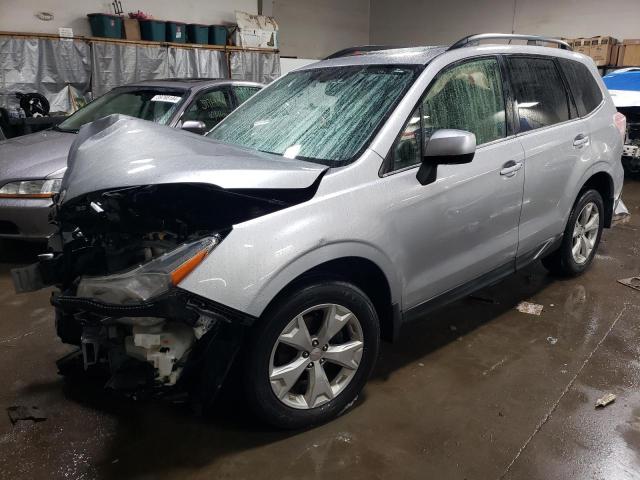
166 98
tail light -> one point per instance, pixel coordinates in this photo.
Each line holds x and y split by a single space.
621 124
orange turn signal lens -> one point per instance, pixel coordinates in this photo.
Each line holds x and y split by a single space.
186 267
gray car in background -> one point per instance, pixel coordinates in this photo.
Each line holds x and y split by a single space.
342 201
32 166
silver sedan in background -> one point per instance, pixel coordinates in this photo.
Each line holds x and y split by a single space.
32 166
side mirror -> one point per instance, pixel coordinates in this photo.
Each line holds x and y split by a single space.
195 126
445 147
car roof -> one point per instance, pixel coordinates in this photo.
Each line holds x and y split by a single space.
391 56
424 55
190 83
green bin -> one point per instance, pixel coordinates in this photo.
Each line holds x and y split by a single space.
176 32
217 35
197 33
153 30
105 25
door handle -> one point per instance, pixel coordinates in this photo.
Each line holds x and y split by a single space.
510 168
581 140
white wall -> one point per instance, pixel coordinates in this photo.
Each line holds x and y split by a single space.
19 15
289 64
432 22
317 28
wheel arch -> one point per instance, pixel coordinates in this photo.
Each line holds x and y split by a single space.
363 272
602 182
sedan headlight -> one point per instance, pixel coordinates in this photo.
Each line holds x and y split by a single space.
148 280
45 188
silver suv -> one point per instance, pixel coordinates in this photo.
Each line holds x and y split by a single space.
342 201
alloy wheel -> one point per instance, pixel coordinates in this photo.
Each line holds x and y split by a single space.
316 356
585 233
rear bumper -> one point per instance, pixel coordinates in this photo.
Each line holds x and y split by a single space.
25 218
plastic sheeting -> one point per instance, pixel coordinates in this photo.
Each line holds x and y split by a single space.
197 62
49 65
43 65
116 64
255 66
67 100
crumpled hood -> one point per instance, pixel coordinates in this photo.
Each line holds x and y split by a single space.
34 156
120 151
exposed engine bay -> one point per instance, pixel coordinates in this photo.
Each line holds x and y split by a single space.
631 149
117 260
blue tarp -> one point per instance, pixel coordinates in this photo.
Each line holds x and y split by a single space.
625 79
624 86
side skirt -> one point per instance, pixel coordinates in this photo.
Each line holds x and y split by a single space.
419 311
490 278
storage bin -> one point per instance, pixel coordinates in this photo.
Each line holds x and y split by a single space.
176 32
153 30
217 35
105 25
197 33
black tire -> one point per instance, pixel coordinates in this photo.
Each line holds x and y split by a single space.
561 262
259 394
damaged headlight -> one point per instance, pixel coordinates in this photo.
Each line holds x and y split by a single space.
45 188
148 280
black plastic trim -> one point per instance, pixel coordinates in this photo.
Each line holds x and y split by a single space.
176 304
419 311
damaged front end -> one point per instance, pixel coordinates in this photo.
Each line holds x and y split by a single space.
120 254
118 259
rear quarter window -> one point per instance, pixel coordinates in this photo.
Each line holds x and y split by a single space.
585 89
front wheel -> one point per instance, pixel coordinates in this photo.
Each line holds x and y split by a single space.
311 355
581 237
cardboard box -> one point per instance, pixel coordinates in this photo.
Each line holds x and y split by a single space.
620 56
601 50
614 54
631 55
131 29
256 31
555 45
582 45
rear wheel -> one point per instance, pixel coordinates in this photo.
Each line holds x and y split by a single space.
311 355
581 237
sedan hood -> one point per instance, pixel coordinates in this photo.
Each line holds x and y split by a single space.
119 151
34 156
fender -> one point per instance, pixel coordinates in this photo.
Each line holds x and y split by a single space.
222 278
318 256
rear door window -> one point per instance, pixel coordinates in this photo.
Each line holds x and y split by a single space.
585 89
209 107
244 92
541 98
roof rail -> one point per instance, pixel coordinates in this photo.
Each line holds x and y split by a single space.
352 51
507 36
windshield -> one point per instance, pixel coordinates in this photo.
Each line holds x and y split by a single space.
324 115
156 105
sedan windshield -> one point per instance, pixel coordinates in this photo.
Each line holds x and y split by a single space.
323 115
156 105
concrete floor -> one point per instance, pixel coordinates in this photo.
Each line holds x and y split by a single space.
478 391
